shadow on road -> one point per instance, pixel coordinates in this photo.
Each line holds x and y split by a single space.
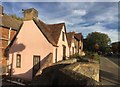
109 77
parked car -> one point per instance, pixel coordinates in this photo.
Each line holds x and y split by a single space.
109 54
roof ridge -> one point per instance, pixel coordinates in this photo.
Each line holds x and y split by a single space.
43 23
55 24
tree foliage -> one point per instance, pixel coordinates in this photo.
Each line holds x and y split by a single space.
97 41
16 17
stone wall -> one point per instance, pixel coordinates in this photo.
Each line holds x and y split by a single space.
87 69
68 61
69 73
69 77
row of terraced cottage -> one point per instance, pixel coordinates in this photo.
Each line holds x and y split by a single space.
36 44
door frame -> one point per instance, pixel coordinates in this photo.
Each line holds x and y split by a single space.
37 65
56 50
64 52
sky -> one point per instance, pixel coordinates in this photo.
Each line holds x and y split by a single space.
84 17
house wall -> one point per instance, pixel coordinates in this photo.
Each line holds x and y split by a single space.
71 48
30 41
54 54
80 47
60 46
4 33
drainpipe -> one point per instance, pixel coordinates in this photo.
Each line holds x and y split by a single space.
8 44
9 35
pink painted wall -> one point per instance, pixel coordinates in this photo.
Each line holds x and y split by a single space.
30 41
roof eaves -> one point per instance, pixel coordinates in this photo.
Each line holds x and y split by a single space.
7 48
8 27
35 21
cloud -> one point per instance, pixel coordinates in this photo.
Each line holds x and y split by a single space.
102 11
112 33
79 12
60 1
85 17
111 15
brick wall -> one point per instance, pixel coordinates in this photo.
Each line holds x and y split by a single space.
5 33
4 43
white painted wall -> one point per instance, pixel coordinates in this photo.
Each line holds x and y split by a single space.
60 46
71 48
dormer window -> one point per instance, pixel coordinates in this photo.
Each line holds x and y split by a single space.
63 36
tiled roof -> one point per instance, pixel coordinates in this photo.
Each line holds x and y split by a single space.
55 31
51 32
71 35
70 38
78 36
8 21
45 30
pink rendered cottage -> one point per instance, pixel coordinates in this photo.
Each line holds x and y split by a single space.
36 45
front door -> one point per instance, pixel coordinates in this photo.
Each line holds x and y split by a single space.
64 52
56 56
36 64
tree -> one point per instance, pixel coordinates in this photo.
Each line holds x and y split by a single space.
97 41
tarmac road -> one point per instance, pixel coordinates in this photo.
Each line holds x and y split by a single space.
109 72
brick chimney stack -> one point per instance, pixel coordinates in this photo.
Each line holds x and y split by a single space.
29 14
1 9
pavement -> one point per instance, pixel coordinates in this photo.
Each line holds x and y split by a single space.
7 82
109 72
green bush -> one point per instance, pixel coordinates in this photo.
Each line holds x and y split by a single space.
76 55
92 55
96 56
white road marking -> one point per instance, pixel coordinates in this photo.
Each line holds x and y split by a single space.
112 63
15 82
